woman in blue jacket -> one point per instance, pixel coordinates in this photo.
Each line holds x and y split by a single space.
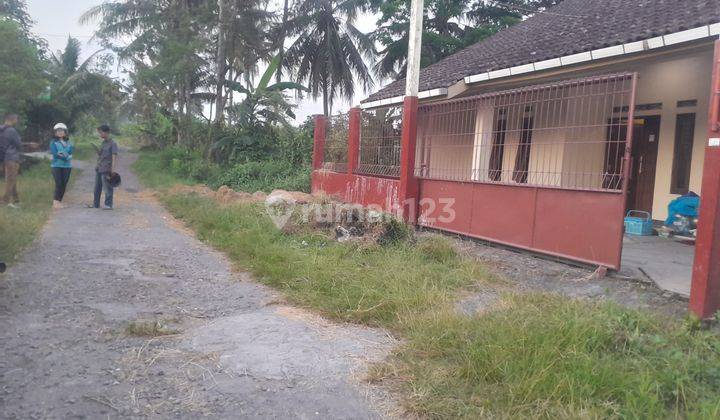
61 150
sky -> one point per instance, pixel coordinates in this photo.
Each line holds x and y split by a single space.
55 20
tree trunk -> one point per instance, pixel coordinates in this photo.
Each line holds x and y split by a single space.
180 113
325 100
281 49
188 109
221 57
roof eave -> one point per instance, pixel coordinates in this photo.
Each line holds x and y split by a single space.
635 47
432 93
601 53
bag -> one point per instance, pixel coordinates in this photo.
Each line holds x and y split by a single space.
3 143
114 179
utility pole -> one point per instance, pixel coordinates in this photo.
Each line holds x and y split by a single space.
412 79
408 190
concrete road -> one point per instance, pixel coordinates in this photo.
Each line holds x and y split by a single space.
237 351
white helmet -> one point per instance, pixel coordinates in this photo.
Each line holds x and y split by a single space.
60 126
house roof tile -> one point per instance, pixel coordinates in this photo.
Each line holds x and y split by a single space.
571 27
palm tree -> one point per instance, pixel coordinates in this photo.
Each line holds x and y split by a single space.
74 81
242 42
330 52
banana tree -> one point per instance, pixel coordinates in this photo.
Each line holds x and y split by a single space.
264 106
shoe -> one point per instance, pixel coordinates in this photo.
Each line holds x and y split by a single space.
13 206
107 208
58 205
90 206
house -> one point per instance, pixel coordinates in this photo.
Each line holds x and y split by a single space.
544 135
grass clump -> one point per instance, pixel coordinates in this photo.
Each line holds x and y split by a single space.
149 328
437 248
18 227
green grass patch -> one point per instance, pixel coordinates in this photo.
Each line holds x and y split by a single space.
529 355
18 227
542 356
150 167
161 169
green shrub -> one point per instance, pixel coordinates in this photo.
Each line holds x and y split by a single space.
265 176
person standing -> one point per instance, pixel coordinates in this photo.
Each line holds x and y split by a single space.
106 163
11 145
62 150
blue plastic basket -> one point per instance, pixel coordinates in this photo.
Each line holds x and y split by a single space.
641 226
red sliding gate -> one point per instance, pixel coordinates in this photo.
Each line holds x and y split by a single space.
543 168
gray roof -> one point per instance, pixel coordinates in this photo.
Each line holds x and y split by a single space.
571 27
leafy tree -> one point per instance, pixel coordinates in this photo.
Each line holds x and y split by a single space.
16 11
21 72
75 90
330 51
448 26
167 48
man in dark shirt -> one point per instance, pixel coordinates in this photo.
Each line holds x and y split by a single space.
10 141
106 163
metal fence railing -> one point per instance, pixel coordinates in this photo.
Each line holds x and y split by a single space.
569 134
380 132
336 143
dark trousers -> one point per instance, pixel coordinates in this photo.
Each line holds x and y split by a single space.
102 184
62 176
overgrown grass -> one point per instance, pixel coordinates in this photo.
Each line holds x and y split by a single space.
264 176
162 167
150 168
18 227
383 285
542 356
529 355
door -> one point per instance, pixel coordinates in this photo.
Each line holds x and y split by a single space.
644 160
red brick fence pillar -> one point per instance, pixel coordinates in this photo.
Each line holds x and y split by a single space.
353 140
319 142
705 289
409 186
